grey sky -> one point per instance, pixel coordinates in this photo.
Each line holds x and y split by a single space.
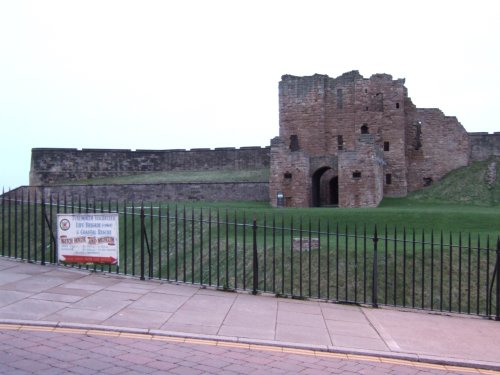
188 74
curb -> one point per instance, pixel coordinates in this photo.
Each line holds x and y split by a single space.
410 357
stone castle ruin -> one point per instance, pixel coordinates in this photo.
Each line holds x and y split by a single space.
346 141
350 141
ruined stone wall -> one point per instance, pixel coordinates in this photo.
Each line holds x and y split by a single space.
55 165
437 145
484 145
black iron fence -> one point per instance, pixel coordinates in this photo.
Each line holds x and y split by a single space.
286 256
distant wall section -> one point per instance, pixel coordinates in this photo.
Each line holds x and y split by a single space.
170 192
57 165
484 145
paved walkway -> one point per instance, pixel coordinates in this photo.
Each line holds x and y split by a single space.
64 297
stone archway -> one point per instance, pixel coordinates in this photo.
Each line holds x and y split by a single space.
325 187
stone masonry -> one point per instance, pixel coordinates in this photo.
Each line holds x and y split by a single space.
60 165
350 141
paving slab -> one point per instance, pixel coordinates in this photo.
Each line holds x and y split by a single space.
57 297
358 329
253 331
350 341
302 334
300 319
70 291
35 283
303 307
9 276
345 313
132 287
81 315
140 318
176 289
210 328
29 308
160 302
251 317
106 300
431 334
10 296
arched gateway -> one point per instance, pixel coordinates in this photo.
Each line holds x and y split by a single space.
325 188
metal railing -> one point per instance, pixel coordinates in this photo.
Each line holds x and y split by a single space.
285 256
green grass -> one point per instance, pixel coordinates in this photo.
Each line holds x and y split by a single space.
465 186
396 213
460 202
258 175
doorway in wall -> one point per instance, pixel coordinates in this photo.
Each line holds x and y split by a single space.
325 188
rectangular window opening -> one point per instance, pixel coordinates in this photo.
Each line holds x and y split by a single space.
294 143
340 99
340 142
388 179
386 146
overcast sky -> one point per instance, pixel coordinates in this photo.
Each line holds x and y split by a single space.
189 74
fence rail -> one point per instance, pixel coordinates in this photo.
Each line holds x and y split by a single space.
286 256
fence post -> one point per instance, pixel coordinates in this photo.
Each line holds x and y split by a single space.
42 228
3 221
375 270
497 314
255 258
143 229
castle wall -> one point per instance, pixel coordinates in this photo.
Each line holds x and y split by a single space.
360 177
484 145
55 165
437 145
289 175
171 192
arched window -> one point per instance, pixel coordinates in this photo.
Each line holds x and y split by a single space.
364 129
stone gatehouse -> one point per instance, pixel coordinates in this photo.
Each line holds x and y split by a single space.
349 141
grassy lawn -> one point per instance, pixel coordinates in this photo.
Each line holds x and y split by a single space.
396 213
464 186
461 202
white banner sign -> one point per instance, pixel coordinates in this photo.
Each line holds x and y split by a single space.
88 238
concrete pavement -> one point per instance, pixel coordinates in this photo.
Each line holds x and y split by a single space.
67 297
